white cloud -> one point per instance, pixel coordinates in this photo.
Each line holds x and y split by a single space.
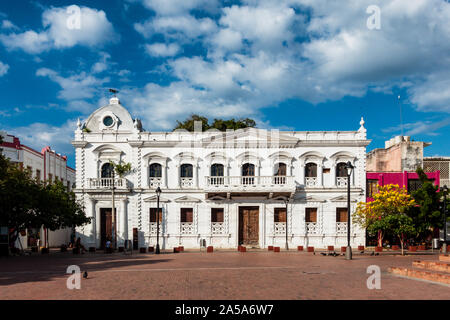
95 30
103 64
3 69
6 24
76 87
181 28
425 127
40 134
162 49
177 7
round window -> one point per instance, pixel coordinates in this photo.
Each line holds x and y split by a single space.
108 121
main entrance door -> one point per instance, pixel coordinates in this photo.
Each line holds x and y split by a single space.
106 225
249 226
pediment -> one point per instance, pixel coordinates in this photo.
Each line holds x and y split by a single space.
187 199
154 199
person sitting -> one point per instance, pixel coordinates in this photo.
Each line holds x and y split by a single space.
79 246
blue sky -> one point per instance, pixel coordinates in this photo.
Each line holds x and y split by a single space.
289 64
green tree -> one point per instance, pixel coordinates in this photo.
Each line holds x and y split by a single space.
426 214
188 124
219 124
399 225
27 203
121 169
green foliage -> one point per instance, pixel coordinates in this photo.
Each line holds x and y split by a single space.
219 124
121 169
426 215
27 203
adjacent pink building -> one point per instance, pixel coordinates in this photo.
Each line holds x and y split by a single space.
396 164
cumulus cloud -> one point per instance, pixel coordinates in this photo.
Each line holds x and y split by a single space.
162 49
38 134
259 53
94 31
3 69
75 89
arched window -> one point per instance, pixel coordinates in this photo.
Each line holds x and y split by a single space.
311 170
280 169
341 170
107 170
217 170
248 170
155 170
186 170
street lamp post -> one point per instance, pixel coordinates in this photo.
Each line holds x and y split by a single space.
158 193
444 208
348 251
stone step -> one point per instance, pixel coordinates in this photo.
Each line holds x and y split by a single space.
434 276
444 257
432 265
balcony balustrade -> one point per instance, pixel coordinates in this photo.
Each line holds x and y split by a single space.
312 228
311 182
187 228
280 228
341 227
217 228
249 182
107 183
187 182
341 182
154 182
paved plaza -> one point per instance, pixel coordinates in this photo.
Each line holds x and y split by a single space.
218 275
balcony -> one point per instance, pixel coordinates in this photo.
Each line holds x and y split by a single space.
107 183
154 182
311 182
341 227
249 183
341 182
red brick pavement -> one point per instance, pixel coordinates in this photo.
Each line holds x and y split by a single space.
220 275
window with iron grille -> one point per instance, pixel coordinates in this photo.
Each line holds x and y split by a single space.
414 185
186 215
311 214
341 214
279 215
371 187
216 214
153 215
155 170
186 171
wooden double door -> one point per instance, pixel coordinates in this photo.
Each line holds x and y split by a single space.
106 229
249 226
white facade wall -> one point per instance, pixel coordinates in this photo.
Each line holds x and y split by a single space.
125 141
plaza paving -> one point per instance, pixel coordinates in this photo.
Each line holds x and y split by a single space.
218 275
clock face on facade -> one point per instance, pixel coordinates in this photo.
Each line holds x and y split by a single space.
108 121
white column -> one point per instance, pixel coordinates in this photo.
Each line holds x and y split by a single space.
320 175
333 174
98 231
302 174
178 176
124 221
195 174
164 176
94 223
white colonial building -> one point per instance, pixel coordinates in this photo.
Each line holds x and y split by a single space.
227 188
